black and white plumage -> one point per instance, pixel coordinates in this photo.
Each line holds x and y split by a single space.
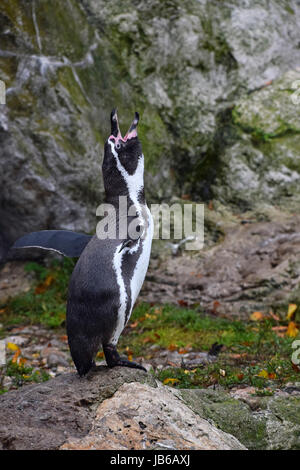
109 274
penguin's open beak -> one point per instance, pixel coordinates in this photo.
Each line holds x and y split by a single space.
115 129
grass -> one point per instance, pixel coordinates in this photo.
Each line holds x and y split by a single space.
45 303
252 352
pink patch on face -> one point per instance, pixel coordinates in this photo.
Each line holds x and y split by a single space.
131 135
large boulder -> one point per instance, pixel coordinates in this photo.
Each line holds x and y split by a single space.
182 64
109 409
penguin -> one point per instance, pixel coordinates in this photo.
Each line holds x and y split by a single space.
109 273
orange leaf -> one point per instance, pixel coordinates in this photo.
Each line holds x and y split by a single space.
240 376
44 285
158 311
183 350
256 316
2 310
134 324
292 330
148 339
172 347
291 310
15 356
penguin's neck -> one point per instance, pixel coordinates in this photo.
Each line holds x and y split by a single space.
132 186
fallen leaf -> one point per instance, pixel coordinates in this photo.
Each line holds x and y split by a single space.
272 375
172 364
291 310
240 376
256 316
292 330
100 354
134 324
210 206
216 305
171 381
172 347
148 339
182 303
12 346
295 367
129 357
158 311
263 373
238 356
280 330
183 350
15 356
152 317
275 317
222 372
2 310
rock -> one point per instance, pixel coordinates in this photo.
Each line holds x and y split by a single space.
98 412
263 165
270 422
14 280
65 403
185 65
155 419
18 340
254 267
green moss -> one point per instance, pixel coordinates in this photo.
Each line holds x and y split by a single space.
228 414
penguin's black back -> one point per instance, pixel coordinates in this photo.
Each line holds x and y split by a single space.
94 300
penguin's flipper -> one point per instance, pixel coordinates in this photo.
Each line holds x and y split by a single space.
128 244
65 242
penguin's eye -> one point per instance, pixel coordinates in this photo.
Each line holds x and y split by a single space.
118 146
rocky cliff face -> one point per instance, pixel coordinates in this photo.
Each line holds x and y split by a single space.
194 70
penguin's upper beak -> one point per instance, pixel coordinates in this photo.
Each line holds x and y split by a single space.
115 129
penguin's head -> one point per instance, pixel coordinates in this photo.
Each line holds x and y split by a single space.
123 156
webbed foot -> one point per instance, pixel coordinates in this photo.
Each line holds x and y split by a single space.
113 358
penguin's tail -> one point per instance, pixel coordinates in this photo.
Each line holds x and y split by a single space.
83 352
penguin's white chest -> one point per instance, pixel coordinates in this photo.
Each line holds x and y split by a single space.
137 278
141 267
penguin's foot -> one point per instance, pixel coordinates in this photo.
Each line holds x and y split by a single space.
113 358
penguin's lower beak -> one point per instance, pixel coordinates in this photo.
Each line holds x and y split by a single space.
132 131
